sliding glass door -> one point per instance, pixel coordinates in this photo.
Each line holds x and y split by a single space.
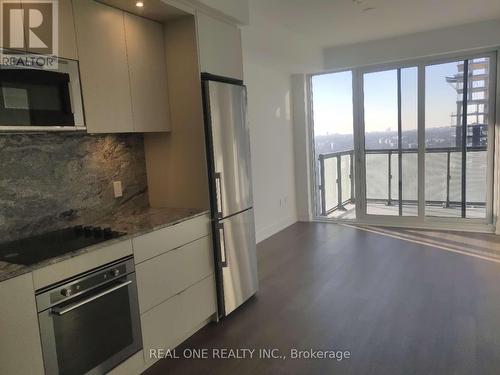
391 142
406 143
334 144
456 135
445 108
381 141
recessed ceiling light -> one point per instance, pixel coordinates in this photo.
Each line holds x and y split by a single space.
139 4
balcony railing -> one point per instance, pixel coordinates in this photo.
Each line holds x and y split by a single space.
443 178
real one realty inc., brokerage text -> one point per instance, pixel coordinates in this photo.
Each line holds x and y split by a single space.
263 353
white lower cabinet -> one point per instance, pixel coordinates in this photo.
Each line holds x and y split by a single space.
160 241
161 328
20 346
197 303
163 276
168 324
175 284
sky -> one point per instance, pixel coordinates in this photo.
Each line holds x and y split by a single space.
332 100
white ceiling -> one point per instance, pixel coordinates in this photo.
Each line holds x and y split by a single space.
155 10
338 22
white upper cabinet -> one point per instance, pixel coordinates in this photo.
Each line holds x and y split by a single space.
219 45
123 70
148 74
100 34
67 37
66 34
16 41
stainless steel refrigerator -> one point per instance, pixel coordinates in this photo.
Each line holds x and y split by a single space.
228 158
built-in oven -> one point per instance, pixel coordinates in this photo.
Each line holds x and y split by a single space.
36 98
91 323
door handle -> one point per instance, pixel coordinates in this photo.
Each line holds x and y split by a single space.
64 310
218 193
222 242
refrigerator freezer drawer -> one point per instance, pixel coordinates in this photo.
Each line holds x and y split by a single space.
238 253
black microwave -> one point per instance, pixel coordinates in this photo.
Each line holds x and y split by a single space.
37 99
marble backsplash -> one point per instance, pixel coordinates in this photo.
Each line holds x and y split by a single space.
54 180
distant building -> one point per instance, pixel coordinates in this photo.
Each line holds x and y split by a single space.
477 102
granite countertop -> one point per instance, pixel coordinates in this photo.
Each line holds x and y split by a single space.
134 223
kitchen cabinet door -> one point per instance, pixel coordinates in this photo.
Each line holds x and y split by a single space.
148 74
17 41
20 345
66 35
100 35
219 45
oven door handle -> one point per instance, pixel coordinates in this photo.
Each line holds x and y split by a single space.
66 309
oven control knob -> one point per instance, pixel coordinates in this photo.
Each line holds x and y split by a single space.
66 292
115 272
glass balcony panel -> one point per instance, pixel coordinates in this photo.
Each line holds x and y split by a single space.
330 184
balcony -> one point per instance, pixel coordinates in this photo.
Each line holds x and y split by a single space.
443 183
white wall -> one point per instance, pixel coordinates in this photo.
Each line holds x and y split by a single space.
270 55
449 40
303 187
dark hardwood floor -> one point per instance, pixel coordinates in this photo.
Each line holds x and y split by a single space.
397 306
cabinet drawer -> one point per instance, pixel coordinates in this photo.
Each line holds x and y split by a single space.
163 276
198 303
168 324
163 240
161 328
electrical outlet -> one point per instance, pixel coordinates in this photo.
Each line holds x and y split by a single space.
117 189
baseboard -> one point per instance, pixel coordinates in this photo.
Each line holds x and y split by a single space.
267 232
303 218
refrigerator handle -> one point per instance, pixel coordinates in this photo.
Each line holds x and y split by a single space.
222 243
218 193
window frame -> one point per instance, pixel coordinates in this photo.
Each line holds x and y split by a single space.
492 202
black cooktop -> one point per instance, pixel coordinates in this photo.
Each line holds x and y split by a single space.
31 250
